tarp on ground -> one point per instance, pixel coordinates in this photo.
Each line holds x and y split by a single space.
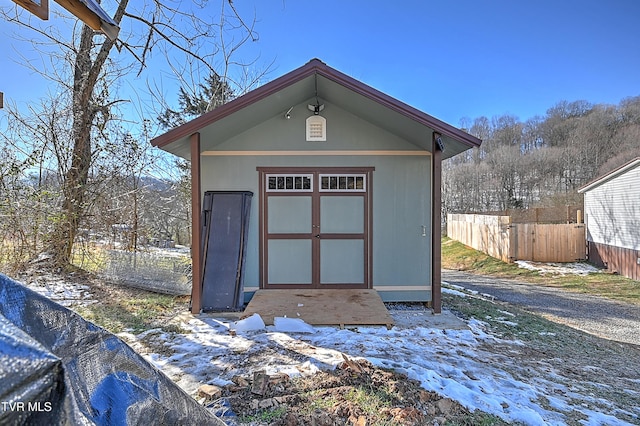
57 368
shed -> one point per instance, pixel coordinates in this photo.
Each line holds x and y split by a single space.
612 216
345 180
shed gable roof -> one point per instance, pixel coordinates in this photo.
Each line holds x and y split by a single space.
299 85
611 175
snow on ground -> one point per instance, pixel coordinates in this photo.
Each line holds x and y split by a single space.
577 268
62 292
178 251
458 364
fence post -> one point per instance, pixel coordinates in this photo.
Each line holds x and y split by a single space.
512 237
533 238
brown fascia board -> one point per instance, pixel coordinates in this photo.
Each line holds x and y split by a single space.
233 106
399 106
613 173
41 10
315 66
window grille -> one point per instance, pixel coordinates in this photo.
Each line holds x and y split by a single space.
289 182
343 183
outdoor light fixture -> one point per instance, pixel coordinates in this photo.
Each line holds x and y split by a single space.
316 108
316 124
287 114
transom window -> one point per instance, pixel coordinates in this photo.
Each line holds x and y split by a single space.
343 182
290 182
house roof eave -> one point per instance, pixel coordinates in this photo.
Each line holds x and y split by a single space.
400 107
175 140
608 176
229 108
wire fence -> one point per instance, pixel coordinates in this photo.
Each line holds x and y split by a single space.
165 271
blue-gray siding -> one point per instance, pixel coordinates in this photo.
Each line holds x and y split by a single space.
401 189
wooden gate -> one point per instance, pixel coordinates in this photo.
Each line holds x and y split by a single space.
548 242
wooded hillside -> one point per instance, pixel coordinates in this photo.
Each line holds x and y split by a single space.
543 161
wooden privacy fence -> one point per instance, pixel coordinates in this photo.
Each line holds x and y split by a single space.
500 238
558 214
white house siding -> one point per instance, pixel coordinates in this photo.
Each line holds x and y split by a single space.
612 211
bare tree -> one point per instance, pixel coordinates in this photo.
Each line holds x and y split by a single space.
84 67
543 161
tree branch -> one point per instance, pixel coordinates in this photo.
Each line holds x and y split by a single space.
154 28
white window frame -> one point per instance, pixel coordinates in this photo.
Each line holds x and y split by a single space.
288 175
343 175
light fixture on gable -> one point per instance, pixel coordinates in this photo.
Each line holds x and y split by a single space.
316 108
287 114
316 124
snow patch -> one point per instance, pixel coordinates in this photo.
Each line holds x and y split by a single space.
65 293
577 268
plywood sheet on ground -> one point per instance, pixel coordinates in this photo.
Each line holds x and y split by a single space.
321 307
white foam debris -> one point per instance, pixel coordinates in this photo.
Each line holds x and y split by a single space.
292 325
252 323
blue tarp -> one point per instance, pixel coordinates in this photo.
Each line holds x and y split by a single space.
57 368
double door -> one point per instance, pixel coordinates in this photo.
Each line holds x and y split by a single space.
315 227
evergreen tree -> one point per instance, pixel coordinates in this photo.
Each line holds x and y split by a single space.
210 94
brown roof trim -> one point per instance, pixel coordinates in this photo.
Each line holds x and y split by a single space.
398 106
310 68
232 106
613 173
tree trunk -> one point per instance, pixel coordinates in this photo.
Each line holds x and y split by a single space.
87 70
75 180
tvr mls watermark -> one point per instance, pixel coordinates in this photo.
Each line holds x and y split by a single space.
30 406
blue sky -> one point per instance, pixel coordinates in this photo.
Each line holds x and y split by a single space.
466 58
450 59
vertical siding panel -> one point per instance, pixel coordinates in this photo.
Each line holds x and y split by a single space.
612 212
617 259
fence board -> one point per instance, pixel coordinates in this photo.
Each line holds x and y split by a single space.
489 234
558 214
498 237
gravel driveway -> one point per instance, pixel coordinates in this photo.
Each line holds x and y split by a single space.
595 315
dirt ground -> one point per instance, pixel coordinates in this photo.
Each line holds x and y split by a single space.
355 393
